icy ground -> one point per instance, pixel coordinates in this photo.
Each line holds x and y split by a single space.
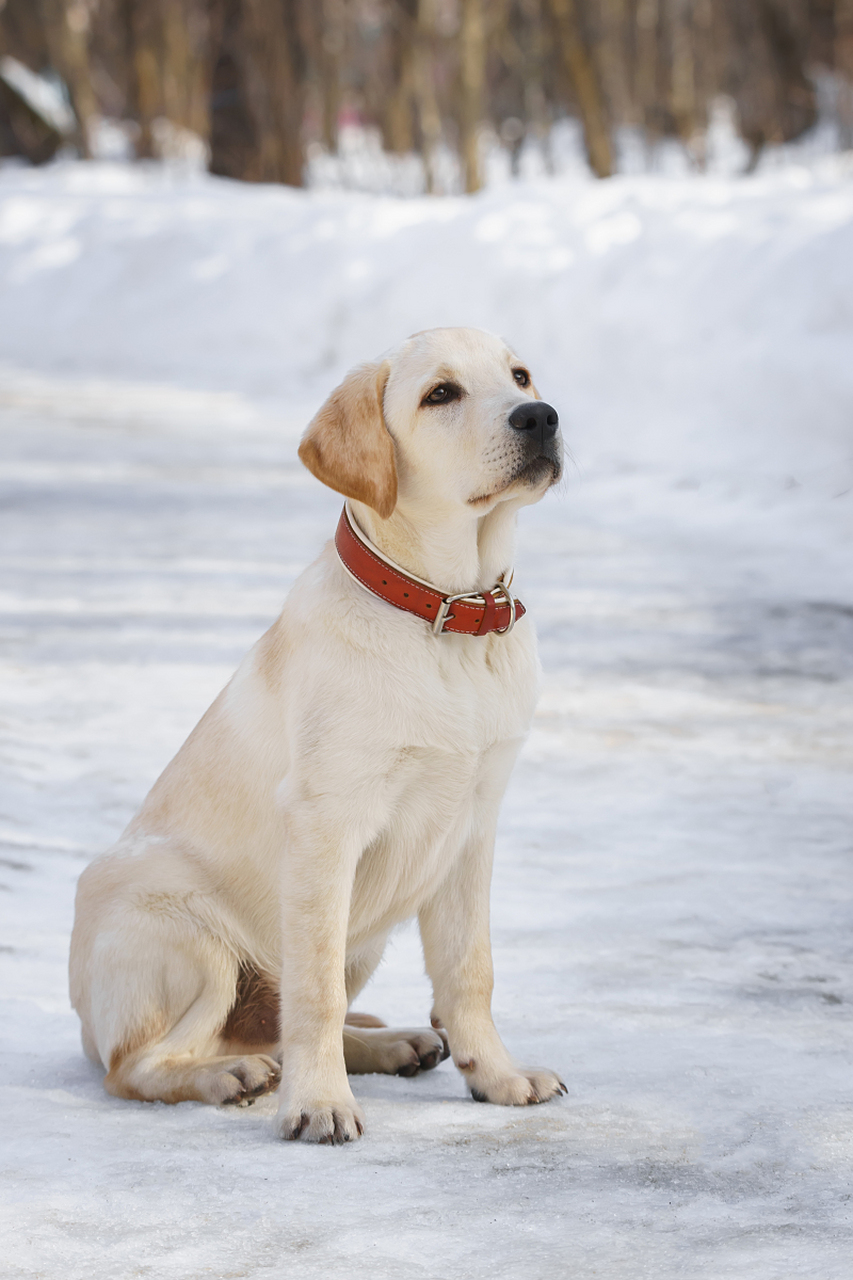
672 894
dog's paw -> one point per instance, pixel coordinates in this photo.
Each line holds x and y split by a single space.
244 1079
418 1051
393 1051
324 1122
522 1089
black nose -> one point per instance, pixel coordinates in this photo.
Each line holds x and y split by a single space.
537 417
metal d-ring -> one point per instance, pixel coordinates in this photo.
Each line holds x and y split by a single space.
503 588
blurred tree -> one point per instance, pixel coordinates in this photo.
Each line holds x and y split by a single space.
684 102
257 98
398 117
426 101
765 72
253 81
583 74
843 57
472 87
332 46
24 130
66 26
170 55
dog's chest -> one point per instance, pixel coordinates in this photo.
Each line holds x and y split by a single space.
464 697
436 802
444 782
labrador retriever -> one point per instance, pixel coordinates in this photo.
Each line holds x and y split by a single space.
347 778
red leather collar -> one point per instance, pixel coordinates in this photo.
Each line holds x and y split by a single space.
471 614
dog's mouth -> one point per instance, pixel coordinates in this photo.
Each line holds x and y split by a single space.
536 470
531 473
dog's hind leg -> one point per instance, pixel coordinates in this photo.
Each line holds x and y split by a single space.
154 1075
154 988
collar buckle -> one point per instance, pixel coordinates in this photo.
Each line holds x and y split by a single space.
442 616
476 597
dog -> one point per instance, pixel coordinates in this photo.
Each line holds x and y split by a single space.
347 778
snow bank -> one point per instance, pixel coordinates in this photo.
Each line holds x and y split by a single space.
674 321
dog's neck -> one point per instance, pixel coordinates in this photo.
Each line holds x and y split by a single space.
454 551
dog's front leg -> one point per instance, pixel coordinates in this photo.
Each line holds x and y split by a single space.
454 928
316 1102
455 933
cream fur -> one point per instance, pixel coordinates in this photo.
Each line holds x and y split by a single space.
346 779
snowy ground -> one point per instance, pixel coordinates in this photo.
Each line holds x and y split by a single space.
672 897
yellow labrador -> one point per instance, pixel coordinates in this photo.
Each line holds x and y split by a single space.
347 778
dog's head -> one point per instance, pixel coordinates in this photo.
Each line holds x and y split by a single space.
452 416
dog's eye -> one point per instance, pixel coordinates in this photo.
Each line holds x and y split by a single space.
522 377
442 394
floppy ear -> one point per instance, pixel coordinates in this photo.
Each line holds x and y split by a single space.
347 444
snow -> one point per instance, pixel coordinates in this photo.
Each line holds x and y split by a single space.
672 894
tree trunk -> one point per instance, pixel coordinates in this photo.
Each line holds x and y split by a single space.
843 57
172 59
584 77
272 92
147 61
683 101
536 106
647 62
67 31
186 67
397 116
332 48
426 103
614 62
472 60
